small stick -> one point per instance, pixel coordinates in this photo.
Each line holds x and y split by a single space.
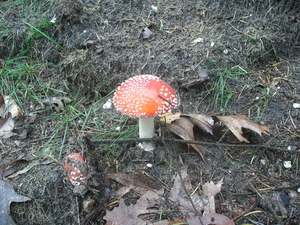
133 140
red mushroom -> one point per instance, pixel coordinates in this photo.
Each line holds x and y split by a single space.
145 97
76 168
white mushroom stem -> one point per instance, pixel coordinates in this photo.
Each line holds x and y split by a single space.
146 130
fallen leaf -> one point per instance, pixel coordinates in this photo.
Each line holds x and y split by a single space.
216 219
235 124
6 126
204 122
58 103
7 196
8 110
2 105
9 105
191 206
140 184
169 117
183 124
124 214
183 127
209 191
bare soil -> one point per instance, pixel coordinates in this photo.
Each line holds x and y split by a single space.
103 46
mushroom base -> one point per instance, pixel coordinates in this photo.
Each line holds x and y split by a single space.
146 130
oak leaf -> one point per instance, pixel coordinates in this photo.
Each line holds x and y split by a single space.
9 105
8 111
124 214
140 184
183 127
235 124
7 196
6 126
191 205
183 124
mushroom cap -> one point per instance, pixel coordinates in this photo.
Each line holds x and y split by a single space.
75 168
145 96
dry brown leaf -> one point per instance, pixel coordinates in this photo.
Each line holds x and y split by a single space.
8 105
58 103
2 105
12 107
235 124
209 191
204 122
6 126
8 110
170 117
124 214
183 127
7 196
180 197
141 185
216 219
191 206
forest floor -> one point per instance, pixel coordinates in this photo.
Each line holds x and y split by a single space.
61 61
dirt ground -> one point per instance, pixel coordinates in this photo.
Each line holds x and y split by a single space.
103 45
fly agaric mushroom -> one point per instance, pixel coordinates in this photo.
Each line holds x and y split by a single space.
144 97
76 168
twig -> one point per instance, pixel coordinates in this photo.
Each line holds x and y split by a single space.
133 140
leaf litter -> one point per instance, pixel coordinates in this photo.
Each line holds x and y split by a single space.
183 124
195 209
7 196
8 111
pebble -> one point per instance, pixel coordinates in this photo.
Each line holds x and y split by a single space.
53 20
296 105
108 104
225 51
154 8
146 33
287 164
198 40
292 148
149 165
263 161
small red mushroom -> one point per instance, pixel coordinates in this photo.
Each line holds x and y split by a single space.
144 97
76 168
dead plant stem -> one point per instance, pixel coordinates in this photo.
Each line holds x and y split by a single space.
132 140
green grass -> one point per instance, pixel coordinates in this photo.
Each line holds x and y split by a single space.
21 78
72 122
222 86
26 8
18 78
37 33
